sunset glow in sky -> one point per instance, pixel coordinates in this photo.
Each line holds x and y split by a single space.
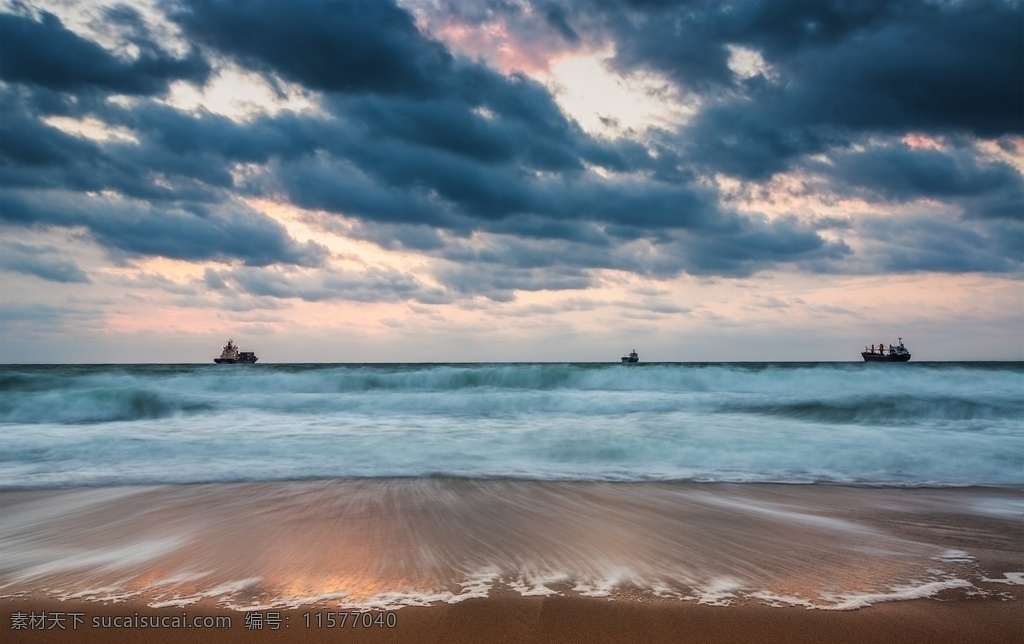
510 181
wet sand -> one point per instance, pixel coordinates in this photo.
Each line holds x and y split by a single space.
467 560
513 618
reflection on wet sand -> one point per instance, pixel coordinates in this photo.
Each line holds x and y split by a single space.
392 542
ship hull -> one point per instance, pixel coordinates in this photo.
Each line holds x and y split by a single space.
234 361
877 357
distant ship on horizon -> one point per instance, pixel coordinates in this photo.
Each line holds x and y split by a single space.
231 355
631 357
898 353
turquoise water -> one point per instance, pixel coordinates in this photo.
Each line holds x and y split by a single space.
915 424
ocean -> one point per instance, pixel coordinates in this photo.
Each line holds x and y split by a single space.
383 485
916 424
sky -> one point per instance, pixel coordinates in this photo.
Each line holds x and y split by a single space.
442 181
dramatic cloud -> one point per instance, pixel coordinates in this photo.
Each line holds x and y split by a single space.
324 152
372 285
44 52
349 47
923 66
140 229
897 172
43 262
414 134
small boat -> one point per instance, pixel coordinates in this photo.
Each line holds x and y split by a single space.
896 353
631 357
231 355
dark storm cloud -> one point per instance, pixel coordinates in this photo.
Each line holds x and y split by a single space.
839 71
499 283
389 236
556 17
841 76
750 144
752 246
45 262
371 47
757 246
933 67
43 52
920 243
514 121
925 66
137 228
897 172
371 285
338 186
414 136
178 133
395 180
39 317
165 175
36 155
461 140
422 149
27 141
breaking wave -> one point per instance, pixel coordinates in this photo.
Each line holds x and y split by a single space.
907 424
840 393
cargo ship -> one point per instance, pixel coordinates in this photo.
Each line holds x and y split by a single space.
896 353
231 355
631 357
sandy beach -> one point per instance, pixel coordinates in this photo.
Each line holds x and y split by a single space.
538 620
460 321
451 560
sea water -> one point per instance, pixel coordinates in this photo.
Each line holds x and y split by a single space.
915 424
822 485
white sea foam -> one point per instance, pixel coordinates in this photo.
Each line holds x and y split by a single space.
222 592
792 516
1001 507
777 600
722 591
917 425
956 556
1011 578
112 593
179 578
38 562
851 601
410 542
719 592
475 586
532 590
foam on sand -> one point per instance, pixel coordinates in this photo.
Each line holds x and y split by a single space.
385 544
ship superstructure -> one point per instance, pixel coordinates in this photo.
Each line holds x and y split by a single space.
231 355
898 353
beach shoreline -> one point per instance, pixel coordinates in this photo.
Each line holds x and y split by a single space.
508 617
659 561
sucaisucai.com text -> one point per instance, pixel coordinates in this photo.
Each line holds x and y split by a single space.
161 621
